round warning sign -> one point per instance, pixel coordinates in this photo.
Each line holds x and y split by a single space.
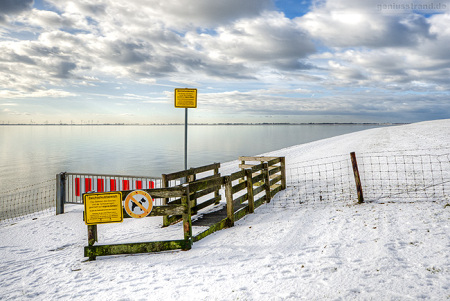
138 204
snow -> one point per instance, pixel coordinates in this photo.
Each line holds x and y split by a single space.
338 251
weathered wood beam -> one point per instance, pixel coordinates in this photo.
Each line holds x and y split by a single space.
134 248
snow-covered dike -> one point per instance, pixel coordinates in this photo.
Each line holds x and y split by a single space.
390 251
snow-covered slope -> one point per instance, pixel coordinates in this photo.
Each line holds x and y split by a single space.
312 252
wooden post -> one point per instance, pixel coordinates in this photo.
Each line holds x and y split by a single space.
251 199
187 222
60 192
242 163
216 193
357 178
92 238
283 172
229 197
265 171
165 184
191 177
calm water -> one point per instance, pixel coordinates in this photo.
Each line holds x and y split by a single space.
32 154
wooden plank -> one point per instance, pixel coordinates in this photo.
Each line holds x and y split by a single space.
134 248
275 180
274 170
191 171
162 211
241 213
258 189
170 192
238 187
173 219
237 175
275 189
207 203
246 166
260 201
204 192
273 161
241 199
260 159
214 228
209 177
200 185
206 168
258 178
257 168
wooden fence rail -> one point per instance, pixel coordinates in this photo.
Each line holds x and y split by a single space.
259 181
188 176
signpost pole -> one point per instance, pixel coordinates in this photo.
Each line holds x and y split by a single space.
185 137
185 98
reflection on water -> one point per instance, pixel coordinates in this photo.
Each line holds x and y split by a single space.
32 154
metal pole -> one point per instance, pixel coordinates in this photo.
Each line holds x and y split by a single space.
60 192
185 137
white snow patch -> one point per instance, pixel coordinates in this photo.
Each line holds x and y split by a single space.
392 251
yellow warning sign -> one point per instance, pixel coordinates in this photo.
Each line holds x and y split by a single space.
138 204
103 208
185 98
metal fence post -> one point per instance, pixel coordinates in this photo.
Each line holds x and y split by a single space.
60 192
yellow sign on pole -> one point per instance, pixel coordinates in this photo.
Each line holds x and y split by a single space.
103 208
185 98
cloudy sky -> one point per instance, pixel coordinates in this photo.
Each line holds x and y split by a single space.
251 60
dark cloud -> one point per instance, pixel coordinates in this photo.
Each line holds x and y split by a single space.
63 69
11 7
206 13
128 53
15 6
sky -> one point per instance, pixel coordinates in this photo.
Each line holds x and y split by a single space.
101 61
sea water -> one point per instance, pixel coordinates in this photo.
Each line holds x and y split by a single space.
30 154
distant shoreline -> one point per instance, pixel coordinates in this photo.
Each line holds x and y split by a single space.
209 124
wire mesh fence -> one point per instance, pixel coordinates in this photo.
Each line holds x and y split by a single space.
29 201
402 176
406 176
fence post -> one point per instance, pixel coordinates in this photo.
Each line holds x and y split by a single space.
283 172
187 222
165 184
60 192
357 178
216 193
230 204
191 177
251 199
92 238
265 171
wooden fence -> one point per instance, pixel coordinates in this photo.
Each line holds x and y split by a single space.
244 191
189 176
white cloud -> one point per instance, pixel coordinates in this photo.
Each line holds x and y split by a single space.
350 27
339 46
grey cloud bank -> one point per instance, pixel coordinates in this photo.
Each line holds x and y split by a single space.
354 60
